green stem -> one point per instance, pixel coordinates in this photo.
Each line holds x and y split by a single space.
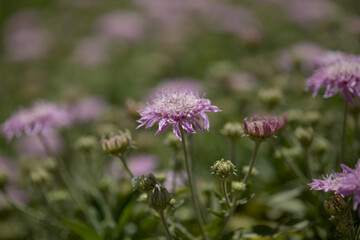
308 163
351 232
192 186
162 218
233 152
224 191
125 165
252 162
342 149
182 229
296 170
174 172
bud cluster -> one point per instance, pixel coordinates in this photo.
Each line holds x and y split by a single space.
338 208
117 144
223 169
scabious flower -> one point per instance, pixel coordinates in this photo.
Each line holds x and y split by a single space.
262 127
345 184
343 75
177 107
87 109
38 119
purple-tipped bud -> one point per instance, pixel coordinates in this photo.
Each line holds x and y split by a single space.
262 127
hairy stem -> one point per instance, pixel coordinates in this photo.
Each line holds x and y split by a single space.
192 186
224 191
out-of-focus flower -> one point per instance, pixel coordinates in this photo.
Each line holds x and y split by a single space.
32 146
16 195
310 13
305 54
177 107
138 164
9 167
132 107
343 75
38 119
262 127
241 82
179 180
352 24
126 26
271 96
87 109
330 57
25 38
188 84
233 131
345 184
92 51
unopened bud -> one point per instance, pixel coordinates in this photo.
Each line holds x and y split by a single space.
320 146
173 141
159 198
336 206
86 143
312 118
254 171
294 116
40 175
238 186
117 144
132 107
144 183
271 97
233 130
304 136
223 169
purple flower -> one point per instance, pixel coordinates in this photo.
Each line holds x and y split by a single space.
92 51
179 107
10 168
343 75
346 183
37 119
262 127
87 109
185 83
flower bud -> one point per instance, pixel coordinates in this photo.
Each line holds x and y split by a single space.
336 206
304 136
49 164
232 130
144 183
173 141
254 171
238 186
262 127
132 107
159 198
271 97
294 116
86 143
320 146
40 175
117 144
223 169
312 118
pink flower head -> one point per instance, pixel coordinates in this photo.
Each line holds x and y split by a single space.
184 83
262 127
92 51
37 119
345 184
177 107
343 75
87 109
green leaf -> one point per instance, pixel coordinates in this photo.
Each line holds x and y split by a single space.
125 213
83 230
220 214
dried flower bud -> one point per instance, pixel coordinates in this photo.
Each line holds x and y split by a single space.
271 97
40 175
159 198
173 141
304 136
238 186
223 169
86 143
118 144
232 130
336 206
144 183
312 118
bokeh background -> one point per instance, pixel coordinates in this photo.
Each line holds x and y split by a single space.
249 57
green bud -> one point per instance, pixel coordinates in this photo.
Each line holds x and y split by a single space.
173 141
233 130
336 206
159 198
223 169
271 97
312 118
344 224
86 143
117 144
304 136
238 186
254 171
144 183
294 116
320 146
40 175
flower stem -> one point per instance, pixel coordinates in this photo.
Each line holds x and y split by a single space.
125 165
162 218
252 162
342 149
224 191
174 172
192 186
182 229
233 152
308 163
296 170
